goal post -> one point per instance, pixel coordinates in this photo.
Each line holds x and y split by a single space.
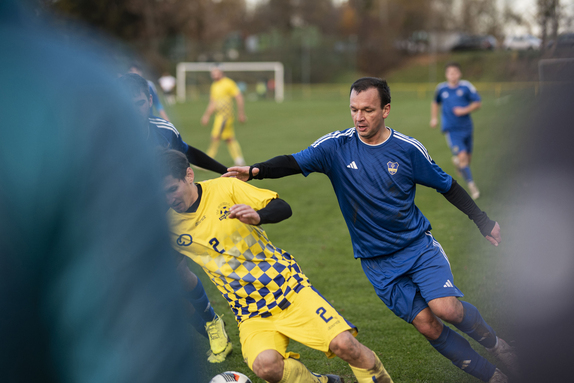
276 67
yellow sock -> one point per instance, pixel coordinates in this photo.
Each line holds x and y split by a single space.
377 374
212 151
296 372
235 152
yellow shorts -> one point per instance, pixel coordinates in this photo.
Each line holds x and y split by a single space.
223 127
309 320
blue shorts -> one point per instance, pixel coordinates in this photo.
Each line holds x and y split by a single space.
408 279
459 141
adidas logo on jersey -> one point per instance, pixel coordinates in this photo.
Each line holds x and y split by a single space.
448 283
352 165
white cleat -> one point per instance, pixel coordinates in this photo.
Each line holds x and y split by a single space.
505 354
498 377
474 192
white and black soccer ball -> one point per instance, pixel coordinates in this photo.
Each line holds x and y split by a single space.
230 376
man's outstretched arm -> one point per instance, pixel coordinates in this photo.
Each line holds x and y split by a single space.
198 158
276 210
463 202
276 167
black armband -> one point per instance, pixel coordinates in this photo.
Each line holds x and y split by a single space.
276 167
276 211
463 202
198 158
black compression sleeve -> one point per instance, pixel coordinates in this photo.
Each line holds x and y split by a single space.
276 211
463 202
198 158
277 167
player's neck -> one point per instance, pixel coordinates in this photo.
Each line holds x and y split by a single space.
453 84
381 136
195 198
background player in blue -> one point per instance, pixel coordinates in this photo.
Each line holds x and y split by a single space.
161 133
374 171
459 99
135 68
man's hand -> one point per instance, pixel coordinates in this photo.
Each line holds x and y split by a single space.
204 120
494 236
241 117
460 111
245 214
240 172
433 123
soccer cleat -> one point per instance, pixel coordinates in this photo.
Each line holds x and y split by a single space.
334 379
218 358
218 338
498 377
505 354
455 161
474 193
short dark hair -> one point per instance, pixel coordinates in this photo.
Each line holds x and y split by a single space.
373 82
134 83
452 64
172 163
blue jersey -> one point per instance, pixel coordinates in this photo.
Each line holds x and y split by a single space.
375 186
162 133
463 95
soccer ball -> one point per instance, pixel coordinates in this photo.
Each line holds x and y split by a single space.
230 376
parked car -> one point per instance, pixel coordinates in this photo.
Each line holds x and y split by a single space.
521 43
565 41
470 43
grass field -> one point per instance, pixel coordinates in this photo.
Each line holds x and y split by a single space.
317 236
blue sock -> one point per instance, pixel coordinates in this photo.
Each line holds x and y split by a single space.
454 347
198 324
475 327
466 174
199 300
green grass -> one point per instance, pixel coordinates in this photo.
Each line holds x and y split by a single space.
317 236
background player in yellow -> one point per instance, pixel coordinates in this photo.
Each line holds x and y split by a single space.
216 224
223 91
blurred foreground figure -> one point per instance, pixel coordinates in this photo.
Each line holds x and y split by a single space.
86 292
542 260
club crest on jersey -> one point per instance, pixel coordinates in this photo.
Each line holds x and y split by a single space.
223 211
392 167
184 240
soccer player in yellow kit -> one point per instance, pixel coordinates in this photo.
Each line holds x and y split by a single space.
216 224
223 91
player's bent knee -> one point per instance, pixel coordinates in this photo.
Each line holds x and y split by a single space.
429 331
452 313
268 365
345 346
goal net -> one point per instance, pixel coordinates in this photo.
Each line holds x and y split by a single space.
276 67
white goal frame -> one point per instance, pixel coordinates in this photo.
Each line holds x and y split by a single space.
276 67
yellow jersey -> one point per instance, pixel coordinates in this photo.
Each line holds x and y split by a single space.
222 93
256 278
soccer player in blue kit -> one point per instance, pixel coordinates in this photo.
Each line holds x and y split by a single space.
459 99
162 134
374 171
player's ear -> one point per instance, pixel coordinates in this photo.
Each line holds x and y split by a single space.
189 176
386 110
150 100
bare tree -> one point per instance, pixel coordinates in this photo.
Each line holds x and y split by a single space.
548 16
